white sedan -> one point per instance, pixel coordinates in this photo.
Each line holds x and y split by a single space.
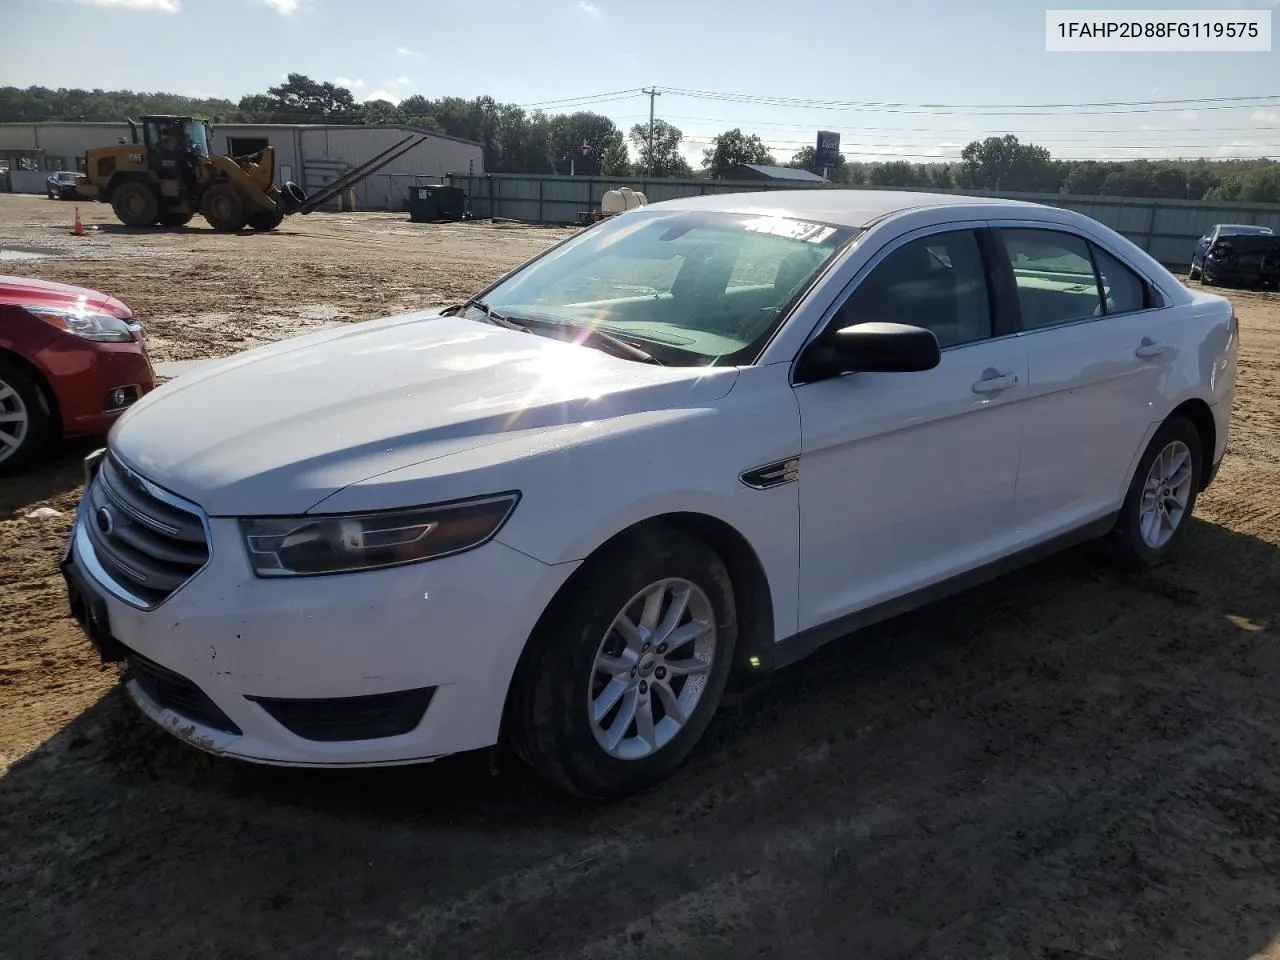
700 438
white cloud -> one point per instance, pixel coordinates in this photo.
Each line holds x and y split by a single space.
1238 149
161 6
348 82
1188 115
590 9
403 82
282 7
1266 116
406 52
382 95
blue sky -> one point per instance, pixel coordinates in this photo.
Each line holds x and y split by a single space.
978 57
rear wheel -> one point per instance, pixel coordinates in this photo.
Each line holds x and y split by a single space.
176 219
627 668
265 219
135 204
224 208
1161 497
26 422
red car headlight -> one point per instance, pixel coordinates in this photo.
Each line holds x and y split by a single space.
88 324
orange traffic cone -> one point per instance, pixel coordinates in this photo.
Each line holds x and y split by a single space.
78 229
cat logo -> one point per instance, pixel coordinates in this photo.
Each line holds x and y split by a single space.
135 158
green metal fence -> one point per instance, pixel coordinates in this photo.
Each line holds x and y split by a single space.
1167 229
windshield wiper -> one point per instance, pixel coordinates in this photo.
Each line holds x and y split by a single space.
606 341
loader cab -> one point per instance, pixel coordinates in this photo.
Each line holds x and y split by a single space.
175 146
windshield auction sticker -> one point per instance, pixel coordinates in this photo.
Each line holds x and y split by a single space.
1172 31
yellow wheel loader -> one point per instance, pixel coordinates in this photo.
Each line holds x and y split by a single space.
168 174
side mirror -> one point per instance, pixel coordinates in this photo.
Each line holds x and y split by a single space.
871 348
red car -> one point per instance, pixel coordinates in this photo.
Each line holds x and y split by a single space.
71 361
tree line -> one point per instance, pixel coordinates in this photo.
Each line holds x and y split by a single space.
516 140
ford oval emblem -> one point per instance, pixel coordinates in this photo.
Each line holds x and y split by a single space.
105 521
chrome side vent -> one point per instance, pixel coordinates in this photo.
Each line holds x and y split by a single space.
772 475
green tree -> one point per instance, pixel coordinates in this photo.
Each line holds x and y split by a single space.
897 173
1003 163
1087 178
39 104
806 159
940 175
731 148
665 160
303 100
583 138
381 111
616 162
1259 185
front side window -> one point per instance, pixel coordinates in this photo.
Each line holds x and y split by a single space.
688 287
1054 275
937 282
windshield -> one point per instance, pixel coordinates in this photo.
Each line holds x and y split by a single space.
197 137
689 287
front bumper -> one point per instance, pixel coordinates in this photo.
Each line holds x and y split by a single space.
441 638
84 375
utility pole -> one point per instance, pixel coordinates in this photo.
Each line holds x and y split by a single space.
652 92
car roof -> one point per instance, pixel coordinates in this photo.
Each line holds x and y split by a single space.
849 208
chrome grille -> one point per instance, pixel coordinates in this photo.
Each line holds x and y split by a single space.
147 541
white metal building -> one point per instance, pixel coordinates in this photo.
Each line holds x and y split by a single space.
311 155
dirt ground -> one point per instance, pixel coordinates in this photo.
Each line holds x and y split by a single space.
1069 763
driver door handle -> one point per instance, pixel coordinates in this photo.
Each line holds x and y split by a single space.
995 382
1149 349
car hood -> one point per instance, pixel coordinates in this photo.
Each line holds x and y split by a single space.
25 291
277 429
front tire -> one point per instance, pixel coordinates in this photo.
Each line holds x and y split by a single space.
265 219
1162 496
627 667
1193 273
176 219
224 208
26 422
135 204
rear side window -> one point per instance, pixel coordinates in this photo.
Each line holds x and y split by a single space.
1054 275
937 282
1123 289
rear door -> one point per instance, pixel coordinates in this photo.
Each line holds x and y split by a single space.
1098 352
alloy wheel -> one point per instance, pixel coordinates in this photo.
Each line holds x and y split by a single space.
15 421
1165 495
651 668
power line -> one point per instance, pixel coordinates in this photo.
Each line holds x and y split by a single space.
936 112
586 98
966 131
712 94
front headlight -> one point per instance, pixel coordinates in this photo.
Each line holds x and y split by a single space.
102 327
305 546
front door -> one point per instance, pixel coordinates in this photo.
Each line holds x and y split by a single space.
907 479
166 141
